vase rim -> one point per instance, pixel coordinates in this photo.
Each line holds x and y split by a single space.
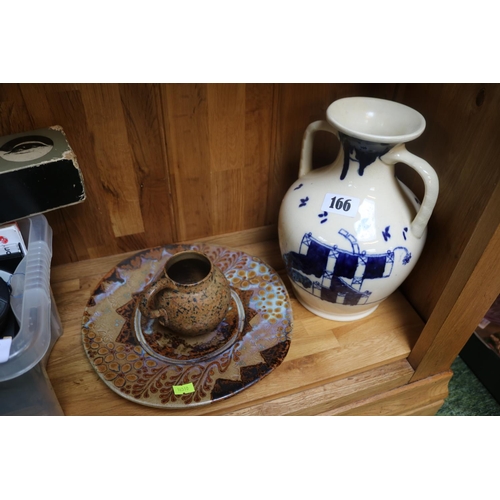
375 120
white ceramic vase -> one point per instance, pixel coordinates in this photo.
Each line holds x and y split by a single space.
351 232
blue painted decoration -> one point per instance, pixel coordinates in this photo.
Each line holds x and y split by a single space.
341 272
323 216
405 230
366 153
298 187
303 201
386 234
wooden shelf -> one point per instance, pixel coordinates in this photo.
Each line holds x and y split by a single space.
170 162
331 367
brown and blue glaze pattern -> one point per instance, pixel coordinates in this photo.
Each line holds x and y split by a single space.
142 360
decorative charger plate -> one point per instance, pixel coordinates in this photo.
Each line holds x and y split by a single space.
144 362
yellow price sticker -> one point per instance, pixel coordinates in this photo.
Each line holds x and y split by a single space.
183 389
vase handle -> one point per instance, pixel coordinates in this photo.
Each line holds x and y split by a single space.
307 144
431 183
146 301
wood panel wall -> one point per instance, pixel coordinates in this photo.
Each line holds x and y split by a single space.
461 142
178 162
165 163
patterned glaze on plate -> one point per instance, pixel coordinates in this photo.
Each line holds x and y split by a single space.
143 361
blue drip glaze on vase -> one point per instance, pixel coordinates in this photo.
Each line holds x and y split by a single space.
366 152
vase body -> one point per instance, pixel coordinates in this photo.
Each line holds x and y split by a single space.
351 232
191 298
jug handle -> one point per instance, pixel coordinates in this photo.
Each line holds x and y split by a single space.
431 183
146 300
307 144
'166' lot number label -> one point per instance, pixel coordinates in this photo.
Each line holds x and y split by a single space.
340 204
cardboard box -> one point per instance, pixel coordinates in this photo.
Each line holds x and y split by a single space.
38 172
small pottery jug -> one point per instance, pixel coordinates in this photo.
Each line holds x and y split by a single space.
351 232
192 297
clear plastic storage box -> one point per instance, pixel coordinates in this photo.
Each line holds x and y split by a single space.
22 376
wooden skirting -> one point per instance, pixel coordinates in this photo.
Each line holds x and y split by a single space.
334 396
424 397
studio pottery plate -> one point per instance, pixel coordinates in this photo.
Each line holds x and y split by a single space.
144 362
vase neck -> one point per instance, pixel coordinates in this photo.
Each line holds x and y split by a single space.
358 157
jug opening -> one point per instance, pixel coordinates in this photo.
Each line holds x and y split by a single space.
188 268
375 120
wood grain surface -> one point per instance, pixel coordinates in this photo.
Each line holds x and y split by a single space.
329 365
182 162
461 143
170 162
